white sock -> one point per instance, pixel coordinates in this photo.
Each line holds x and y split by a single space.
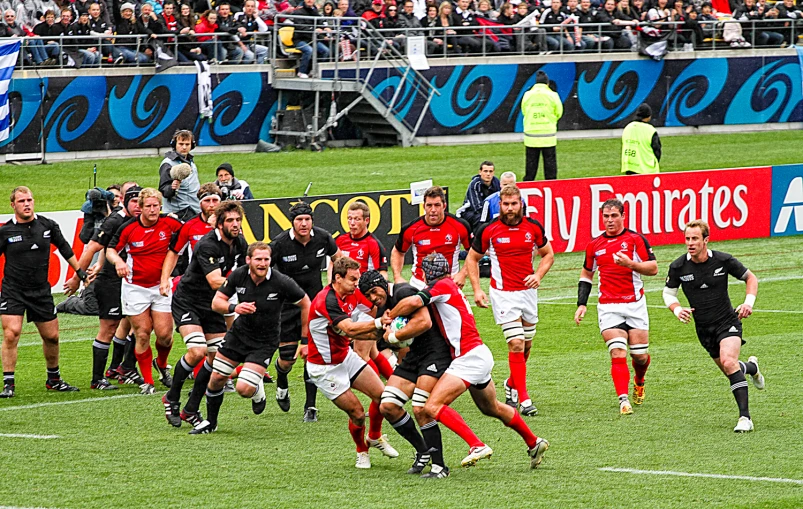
259 395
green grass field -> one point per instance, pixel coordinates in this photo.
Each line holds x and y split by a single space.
116 449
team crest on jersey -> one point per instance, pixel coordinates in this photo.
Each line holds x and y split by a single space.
360 253
528 237
15 238
289 258
320 252
719 272
687 278
46 234
162 235
624 245
448 237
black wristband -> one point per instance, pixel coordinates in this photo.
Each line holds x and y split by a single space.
232 307
82 275
583 291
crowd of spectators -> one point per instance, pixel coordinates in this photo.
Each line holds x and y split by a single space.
237 31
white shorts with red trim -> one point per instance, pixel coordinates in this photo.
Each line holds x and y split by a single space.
509 306
138 299
634 314
475 367
335 379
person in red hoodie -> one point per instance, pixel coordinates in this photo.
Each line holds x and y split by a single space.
209 44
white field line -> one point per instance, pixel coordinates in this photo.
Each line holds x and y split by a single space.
782 311
61 341
23 435
710 476
71 402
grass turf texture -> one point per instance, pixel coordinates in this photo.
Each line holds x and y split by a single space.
122 451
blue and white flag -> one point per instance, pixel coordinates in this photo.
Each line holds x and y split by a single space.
8 58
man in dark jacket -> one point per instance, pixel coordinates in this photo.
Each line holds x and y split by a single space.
463 16
482 185
44 46
302 38
126 49
233 47
88 46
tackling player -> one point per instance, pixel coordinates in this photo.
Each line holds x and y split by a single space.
338 315
622 256
216 254
436 231
470 368
146 239
415 376
299 253
703 274
511 242
254 337
25 240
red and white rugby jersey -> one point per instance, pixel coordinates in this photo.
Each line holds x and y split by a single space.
146 247
618 284
453 314
327 344
511 250
189 235
445 238
367 250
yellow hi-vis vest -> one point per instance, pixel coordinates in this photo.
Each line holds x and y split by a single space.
637 154
541 108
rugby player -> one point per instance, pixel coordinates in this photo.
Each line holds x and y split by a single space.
622 256
703 275
471 365
437 231
299 253
146 240
107 290
201 328
25 240
415 376
253 339
338 315
511 241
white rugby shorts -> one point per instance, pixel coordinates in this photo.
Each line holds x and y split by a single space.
335 379
474 367
509 306
138 299
634 314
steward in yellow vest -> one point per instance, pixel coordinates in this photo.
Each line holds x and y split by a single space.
541 109
641 146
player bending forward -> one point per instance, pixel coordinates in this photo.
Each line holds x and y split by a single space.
703 274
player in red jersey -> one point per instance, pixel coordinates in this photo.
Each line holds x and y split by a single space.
471 365
622 256
146 239
511 241
338 315
436 231
361 246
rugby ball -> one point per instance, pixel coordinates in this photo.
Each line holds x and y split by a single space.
398 324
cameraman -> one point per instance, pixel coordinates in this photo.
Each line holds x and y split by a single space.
99 204
230 187
180 196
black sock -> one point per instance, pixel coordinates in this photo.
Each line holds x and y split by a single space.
310 388
432 436
53 373
100 354
199 388
406 428
129 359
739 389
213 401
117 352
180 373
8 378
748 368
281 376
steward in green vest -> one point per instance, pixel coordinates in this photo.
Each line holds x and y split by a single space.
641 146
541 109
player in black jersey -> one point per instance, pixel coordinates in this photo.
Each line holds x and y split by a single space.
106 284
415 376
299 253
254 337
214 256
25 240
703 274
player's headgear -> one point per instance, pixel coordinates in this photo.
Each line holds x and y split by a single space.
132 193
371 279
435 266
300 209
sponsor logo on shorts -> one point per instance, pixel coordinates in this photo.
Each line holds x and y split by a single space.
46 234
719 272
733 329
185 317
321 252
15 238
289 258
3 305
273 296
34 247
305 267
703 286
688 277
433 368
114 311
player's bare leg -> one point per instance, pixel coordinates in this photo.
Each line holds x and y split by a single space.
349 403
616 340
369 384
728 362
639 342
143 326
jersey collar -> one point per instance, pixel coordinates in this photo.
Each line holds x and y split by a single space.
267 276
710 254
605 234
14 218
293 233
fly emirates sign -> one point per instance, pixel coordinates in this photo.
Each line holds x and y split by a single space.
733 202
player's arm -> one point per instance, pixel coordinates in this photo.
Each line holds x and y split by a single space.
380 257
304 305
459 277
746 308
649 267
406 306
220 304
583 292
547 259
419 323
472 266
397 264
71 285
169 264
670 295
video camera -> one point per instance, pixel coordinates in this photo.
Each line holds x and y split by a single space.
98 202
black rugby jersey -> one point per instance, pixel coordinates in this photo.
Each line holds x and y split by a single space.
209 254
428 342
27 250
103 236
303 263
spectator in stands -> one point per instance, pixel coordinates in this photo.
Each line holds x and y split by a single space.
230 187
555 22
443 38
627 20
490 207
44 45
125 47
607 17
250 26
169 21
87 46
593 40
207 25
660 12
573 31
98 27
464 17
534 37
156 6
149 24
751 14
391 25
481 186
638 9
409 20
771 24
233 48
788 11
302 38
78 7
485 10
375 15
14 29
707 20
188 48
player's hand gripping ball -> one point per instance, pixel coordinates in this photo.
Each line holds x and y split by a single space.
398 324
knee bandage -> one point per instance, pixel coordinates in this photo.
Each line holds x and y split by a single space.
395 396
529 332
250 377
288 352
195 340
420 397
214 344
222 367
640 349
512 331
614 343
